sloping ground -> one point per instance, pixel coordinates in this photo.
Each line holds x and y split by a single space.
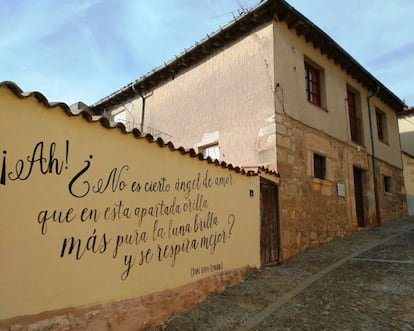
363 281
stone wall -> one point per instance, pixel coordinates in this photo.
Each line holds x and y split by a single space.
312 210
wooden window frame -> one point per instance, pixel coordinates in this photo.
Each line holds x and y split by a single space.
313 77
381 120
354 112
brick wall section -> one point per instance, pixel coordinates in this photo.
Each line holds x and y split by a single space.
134 314
311 212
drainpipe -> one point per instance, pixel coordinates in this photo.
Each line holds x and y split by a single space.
141 128
374 164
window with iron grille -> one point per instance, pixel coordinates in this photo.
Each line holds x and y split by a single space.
387 184
355 121
319 166
313 84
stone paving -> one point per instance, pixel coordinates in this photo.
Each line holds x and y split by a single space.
362 282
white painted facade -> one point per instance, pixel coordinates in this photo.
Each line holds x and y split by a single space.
231 100
227 99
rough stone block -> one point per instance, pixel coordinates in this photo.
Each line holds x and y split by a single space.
283 142
281 130
282 156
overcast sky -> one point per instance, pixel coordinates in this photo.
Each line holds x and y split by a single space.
83 50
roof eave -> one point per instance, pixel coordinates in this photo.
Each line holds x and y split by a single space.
266 11
322 41
233 31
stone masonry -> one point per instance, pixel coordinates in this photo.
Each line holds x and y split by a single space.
311 209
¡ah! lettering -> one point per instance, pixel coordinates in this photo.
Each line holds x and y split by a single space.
46 162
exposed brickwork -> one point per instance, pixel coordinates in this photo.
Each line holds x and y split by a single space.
311 211
133 314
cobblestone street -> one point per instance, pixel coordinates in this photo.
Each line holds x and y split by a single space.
362 282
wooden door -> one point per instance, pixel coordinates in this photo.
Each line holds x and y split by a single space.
359 196
269 232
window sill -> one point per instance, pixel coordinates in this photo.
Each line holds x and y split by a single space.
318 106
388 194
323 186
384 142
357 145
321 181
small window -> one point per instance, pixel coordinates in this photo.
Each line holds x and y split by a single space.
381 126
354 111
387 184
212 151
313 84
319 166
124 118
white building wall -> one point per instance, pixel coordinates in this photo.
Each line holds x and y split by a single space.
228 99
332 119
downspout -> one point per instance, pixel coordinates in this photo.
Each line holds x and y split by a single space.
374 163
141 128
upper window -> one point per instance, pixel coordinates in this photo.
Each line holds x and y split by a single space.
381 126
319 166
355 121
313 84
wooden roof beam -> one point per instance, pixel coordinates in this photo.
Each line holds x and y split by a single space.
204 50
280 13
300 30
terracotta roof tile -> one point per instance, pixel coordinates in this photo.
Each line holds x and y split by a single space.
89 116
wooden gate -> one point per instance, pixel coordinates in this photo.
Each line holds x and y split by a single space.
269 229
